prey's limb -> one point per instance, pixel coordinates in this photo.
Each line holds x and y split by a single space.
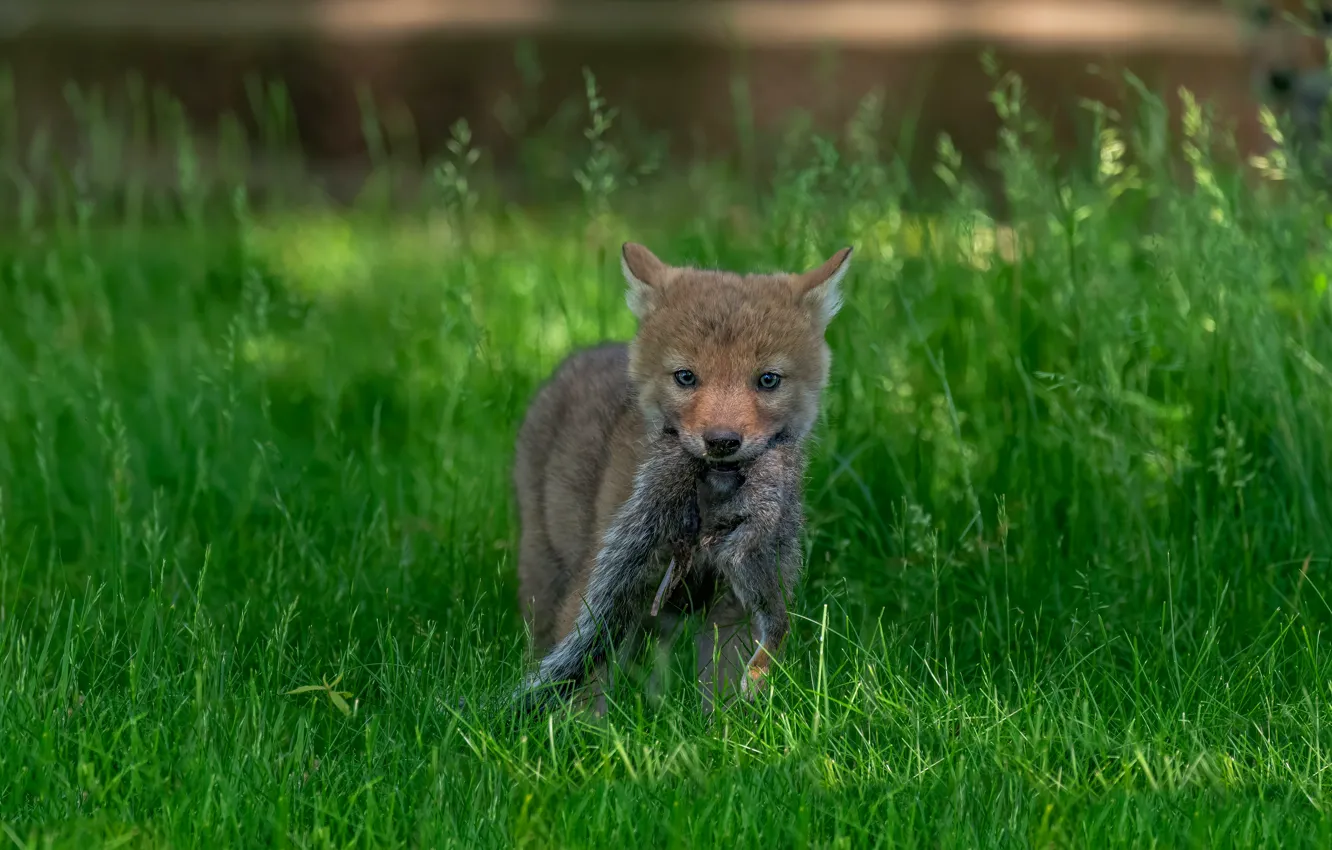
667 583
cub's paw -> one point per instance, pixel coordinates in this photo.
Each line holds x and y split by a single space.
755 682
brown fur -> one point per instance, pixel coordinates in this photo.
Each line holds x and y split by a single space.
577 451
618 467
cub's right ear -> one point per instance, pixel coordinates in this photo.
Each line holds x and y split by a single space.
643 272
822 287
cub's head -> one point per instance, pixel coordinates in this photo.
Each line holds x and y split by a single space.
731 363
1288 57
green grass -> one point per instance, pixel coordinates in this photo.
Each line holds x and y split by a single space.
1069 538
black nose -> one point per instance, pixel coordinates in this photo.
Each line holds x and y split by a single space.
1281 81
721 443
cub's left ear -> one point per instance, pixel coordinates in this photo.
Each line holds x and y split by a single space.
821 288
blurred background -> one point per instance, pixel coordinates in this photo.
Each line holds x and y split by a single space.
710 77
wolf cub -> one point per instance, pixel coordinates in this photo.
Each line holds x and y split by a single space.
674 463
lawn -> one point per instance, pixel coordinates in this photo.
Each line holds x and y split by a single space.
1069 510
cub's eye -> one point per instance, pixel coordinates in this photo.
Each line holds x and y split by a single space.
769 381
1262 13
1325 17
685 378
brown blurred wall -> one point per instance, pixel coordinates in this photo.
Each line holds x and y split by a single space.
672 78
